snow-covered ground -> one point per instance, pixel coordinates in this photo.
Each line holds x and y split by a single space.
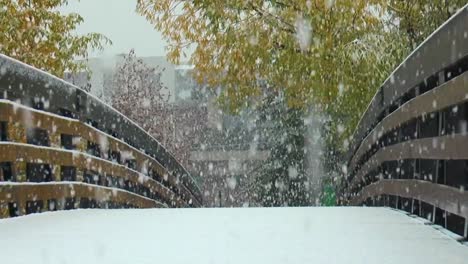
280 235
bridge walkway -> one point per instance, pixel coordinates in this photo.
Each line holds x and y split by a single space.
245 235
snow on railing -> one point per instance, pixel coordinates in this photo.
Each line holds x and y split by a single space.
409 148
31 73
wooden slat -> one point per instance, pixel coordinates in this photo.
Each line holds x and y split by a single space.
442 48
21 193
452 147
450 199
12 152
21 82
25 116
450 93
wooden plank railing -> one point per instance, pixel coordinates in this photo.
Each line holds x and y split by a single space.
54 135
410 149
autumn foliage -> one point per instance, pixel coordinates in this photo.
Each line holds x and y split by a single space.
36 33
330 55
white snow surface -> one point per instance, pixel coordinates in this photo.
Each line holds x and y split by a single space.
242 235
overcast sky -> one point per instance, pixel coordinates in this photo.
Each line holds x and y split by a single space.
118 20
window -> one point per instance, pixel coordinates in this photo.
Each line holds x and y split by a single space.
36 172
3 131
68 173
37 136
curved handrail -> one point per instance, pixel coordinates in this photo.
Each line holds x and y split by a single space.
17 68
448 94
448 198
414 127
451 147
451 44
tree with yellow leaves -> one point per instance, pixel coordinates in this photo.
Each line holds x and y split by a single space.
36 33
417 19
332 54
301 52
294 46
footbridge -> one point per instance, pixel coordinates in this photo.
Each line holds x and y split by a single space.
403 199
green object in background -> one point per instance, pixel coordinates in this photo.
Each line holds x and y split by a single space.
328 196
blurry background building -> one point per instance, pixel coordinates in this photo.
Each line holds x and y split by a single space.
220 150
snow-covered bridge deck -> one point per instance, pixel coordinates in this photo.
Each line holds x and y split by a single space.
279 235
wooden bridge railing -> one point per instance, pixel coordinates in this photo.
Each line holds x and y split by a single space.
61 148
410 150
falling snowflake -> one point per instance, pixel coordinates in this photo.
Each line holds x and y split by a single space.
303 32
